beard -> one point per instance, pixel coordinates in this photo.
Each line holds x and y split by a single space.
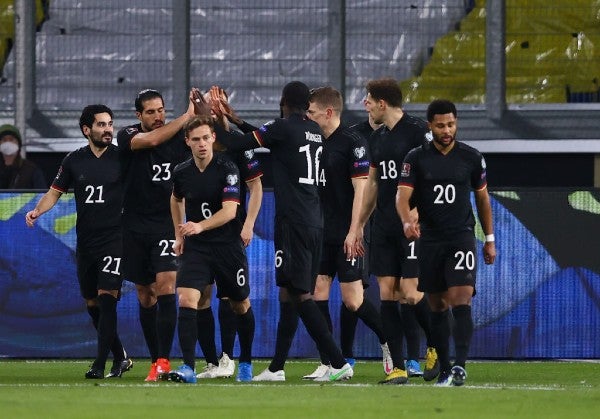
101 143
442 142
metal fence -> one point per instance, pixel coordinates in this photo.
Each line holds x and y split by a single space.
91 51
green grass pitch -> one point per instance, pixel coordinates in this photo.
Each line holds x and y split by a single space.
57 389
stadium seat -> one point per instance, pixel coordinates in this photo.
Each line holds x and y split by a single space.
552 56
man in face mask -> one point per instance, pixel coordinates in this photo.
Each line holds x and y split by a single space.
15 171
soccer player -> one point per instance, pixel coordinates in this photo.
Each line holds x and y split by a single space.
250 173
439 177
344 168
393 259
149 151
410 311
296 144
94 173
348 319
204 203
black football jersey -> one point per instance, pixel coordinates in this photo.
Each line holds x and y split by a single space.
388 148
296 145
148 175
250 169
442 187
364 128
344 158
204 193
98 189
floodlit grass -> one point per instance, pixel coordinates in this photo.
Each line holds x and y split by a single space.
493 390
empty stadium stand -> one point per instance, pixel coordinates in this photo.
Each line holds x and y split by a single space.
552 55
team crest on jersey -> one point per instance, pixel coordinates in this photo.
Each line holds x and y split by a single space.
483 165
131 130
231 179
249 154
359 152
405 172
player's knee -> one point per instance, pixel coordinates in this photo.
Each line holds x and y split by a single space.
388 294
240 307
146 296
352 301
413 299
204 303
188 301
352 306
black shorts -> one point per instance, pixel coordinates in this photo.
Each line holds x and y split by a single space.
391 254
225 264
297 256
447 263
334 261
100 268
146 254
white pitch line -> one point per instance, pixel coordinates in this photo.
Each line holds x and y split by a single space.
361 385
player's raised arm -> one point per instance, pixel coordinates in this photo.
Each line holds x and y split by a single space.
151 113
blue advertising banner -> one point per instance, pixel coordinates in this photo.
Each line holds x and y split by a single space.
541 299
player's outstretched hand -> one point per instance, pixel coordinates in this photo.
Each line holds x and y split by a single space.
227 110
201 107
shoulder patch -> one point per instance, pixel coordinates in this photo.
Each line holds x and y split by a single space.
231 179
131 130
359 152
405 172
249 154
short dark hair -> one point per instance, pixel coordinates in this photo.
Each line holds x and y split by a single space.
387 89
327 96
145 95
88 115
197 121
440 107
295 95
